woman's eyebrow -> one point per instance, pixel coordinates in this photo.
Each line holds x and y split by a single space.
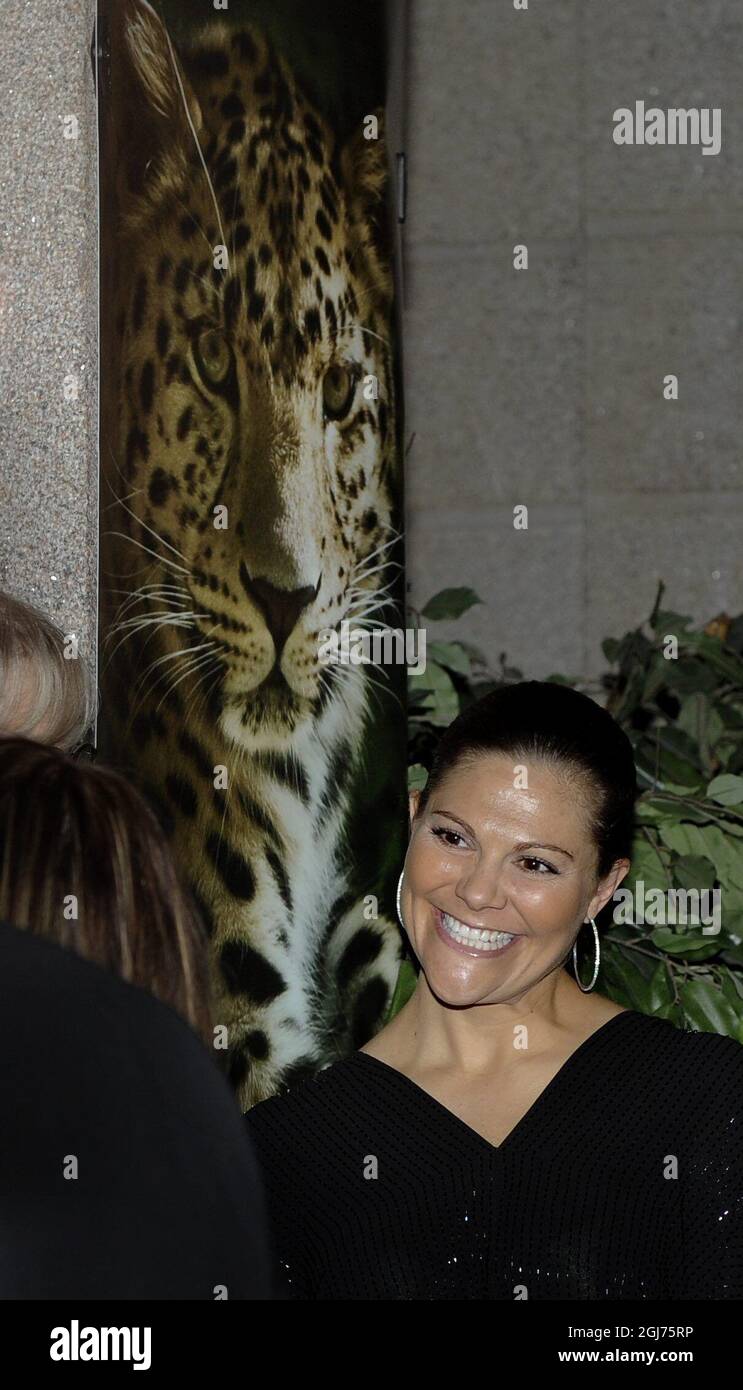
536 844
522 844
439 811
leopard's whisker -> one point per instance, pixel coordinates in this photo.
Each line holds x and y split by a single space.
187 113
153 532
146 593
138 624
378 550
147 692
154 595
198 692
362 593
359 328
367 600
218 669
189 671
181 652
117 499
163 622
161 559
363 620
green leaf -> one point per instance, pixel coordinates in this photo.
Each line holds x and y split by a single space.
648 867
699 718
670 623
731 715
693 871
655 678
660 989
732 987
417 777
683 943
708 842
417 698
450 603
474 653
707 1008
686 675
452 655
672 1012
655 806
727 790
734 638
442 704
676 754
626 982
726 663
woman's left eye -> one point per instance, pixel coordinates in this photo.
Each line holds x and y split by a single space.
338 389
540 865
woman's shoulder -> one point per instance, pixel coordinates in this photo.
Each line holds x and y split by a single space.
709 1064
688 1042
324 1098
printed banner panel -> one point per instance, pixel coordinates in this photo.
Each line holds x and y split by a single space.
251 498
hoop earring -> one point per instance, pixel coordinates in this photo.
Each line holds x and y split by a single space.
399 890
597 958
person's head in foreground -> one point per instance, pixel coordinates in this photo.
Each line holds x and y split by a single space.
521 834
47 691
84 862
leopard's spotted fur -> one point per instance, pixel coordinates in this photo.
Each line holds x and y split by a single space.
222 375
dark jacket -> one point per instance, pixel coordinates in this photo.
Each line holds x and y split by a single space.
125 1169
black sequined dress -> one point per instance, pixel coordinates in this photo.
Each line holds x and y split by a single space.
624 1179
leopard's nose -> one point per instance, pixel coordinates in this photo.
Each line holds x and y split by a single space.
280 607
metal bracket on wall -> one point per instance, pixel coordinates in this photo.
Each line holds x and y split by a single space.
402 186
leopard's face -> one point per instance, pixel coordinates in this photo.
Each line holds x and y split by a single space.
257 411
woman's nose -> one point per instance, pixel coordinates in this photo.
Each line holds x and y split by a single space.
482 887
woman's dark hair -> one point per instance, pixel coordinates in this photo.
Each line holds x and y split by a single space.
559 726
84 862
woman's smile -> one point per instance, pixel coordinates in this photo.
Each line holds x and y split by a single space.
469 940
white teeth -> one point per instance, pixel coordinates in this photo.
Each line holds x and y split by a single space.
474 936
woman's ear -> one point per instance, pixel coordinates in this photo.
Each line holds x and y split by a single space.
413 799
608 886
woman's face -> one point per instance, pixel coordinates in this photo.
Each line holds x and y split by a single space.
513 862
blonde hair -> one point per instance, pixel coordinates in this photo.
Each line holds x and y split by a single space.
44 694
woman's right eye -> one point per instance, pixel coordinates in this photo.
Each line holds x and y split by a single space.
441 832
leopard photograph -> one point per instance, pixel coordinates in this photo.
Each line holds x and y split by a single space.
251 502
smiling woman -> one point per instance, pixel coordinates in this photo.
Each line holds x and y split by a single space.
521 833
503 1097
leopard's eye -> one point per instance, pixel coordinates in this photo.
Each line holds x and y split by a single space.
213 356
339 385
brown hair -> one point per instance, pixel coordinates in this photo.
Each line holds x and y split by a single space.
44 692
84 862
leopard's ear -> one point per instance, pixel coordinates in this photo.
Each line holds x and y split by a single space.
365 168
154 108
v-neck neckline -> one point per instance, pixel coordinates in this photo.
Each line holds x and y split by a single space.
545 1094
